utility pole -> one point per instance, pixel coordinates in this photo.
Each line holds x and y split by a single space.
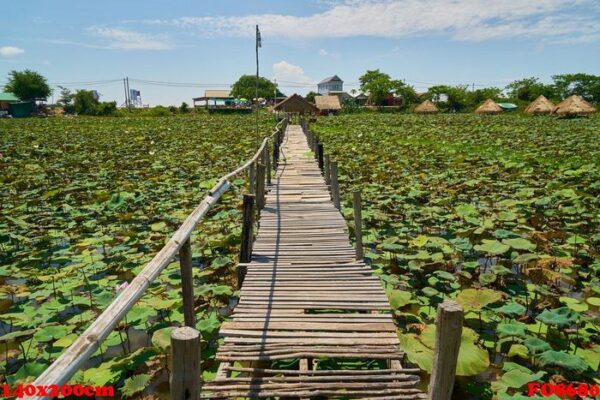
128 94
258 44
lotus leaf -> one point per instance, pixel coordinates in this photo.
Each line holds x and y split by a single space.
135 384
492 247
511 309
536 345
511 329
399 299
560 317
477 299
564 360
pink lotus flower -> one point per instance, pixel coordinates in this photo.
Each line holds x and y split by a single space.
121 287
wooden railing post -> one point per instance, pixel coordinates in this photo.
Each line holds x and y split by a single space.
247 237
252 178
276 151
326 172
358 225
185 353
320 155
187 283
260 186
335 186
267 157
448 331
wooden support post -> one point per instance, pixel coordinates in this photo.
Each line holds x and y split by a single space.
252 178
187 283
275 154
448 330
335 186
185 353
358 225
267 157
247 236
260 186
320 155
326 172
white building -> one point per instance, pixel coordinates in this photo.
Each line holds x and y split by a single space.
331 84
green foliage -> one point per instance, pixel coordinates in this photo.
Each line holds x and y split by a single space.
28 85
310 96
86 104
379 86
529 89
245 87
584 85
449 98
184 108
66 100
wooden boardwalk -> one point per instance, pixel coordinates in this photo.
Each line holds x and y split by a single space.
306 297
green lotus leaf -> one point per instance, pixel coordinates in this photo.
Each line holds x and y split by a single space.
488 278
135 384
464 210
26 373
50 333
399 298
511 309
430 292
574 304
516 378
560 317
564 360
520 244
472 359
161 339
16 336
593 301
477 299
536 345
511 329
492 247
518 350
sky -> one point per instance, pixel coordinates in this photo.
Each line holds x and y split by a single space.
173 50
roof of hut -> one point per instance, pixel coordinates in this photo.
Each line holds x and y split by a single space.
489 107
541 105
426 107
328 103
572 106
296 104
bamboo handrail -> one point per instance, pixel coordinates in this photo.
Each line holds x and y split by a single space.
69 362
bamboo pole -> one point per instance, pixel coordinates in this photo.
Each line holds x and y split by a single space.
187 283
260 186
185 353
326 169
252 178
247 236
358 225
335 187
449 323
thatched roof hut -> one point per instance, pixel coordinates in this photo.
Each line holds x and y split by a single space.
295 104
426 107
573 106
489 107
541 105
328 103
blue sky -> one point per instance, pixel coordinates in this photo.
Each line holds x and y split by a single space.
211 43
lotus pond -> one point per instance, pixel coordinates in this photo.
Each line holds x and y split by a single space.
501 214
84 204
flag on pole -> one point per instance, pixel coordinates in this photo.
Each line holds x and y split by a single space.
258 39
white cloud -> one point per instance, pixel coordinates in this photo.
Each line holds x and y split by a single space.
10 51
460 20
286 73
129 40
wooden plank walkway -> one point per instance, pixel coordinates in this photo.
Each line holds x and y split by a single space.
305 296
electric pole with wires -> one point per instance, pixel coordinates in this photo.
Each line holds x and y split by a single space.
258 44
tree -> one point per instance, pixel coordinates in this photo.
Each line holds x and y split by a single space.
28 85
184 108
584 85
449 98
529 89
245 87
310 96
378 85
406 92
66 100
85 103
480 95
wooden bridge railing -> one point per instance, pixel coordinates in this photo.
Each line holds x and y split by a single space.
69 362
